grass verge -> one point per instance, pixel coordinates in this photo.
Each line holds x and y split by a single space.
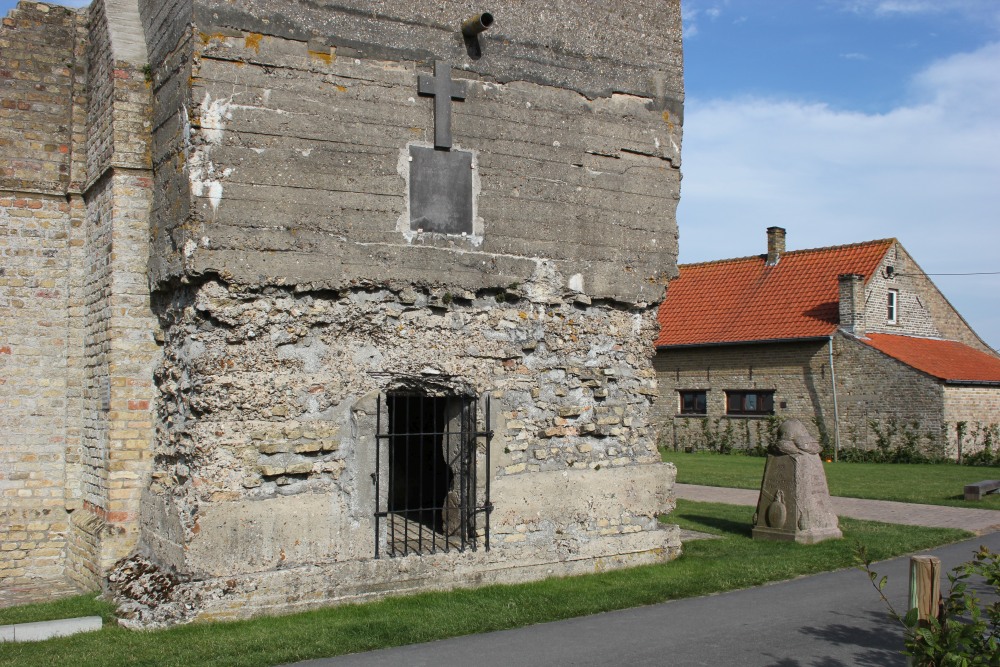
930 483
708 566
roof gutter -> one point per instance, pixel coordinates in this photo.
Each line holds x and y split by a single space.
974 383
809 339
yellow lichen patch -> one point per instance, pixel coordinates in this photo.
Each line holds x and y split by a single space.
207 37
666 119
342 89
252 41
325 56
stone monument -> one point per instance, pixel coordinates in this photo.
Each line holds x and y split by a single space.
794 501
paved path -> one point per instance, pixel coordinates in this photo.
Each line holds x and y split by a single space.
978 521
828 620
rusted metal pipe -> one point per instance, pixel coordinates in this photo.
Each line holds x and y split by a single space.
477 24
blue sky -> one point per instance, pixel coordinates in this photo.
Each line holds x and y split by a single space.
846 121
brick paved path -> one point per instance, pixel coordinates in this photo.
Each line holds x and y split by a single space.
978 521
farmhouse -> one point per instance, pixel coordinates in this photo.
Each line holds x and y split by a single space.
315 301
854 340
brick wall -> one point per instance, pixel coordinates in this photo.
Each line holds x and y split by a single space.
972 418
913 317
76 332
883 400
877 396
118 325
37 75
798 373
40 227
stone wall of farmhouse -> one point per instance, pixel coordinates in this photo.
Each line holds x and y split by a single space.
797 373
972 417
883 401
880 400
913 316
921 309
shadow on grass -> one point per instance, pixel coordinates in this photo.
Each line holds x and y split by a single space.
717 524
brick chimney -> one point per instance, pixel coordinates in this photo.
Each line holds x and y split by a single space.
775 244
852 303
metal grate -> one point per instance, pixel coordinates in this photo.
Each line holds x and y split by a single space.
428 494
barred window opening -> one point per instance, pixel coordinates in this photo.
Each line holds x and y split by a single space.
427 460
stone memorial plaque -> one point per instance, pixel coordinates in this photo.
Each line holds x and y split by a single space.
440 191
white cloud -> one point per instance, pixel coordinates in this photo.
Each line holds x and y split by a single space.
926 173
690 14
973 9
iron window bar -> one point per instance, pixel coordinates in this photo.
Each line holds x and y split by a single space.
450 521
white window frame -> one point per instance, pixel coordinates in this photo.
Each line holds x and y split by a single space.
892 306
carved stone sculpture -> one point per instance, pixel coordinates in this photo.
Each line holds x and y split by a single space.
794 501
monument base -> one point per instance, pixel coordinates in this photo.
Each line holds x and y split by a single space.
800 536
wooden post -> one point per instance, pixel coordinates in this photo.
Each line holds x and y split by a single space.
925 586
925 590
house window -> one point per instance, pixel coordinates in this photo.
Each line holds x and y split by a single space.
693 402
750 402
892 306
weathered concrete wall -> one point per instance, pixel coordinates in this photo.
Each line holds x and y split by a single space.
291 291
321 100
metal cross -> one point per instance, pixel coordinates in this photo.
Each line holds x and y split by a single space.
444 90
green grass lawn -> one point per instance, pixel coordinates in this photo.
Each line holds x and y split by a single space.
735 561
931 483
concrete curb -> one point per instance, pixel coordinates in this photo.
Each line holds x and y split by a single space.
35 632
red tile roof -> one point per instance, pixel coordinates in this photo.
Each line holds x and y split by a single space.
736 300
943 359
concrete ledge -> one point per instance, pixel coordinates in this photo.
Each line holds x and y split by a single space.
35 632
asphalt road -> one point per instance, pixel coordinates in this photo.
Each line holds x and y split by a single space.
826 620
